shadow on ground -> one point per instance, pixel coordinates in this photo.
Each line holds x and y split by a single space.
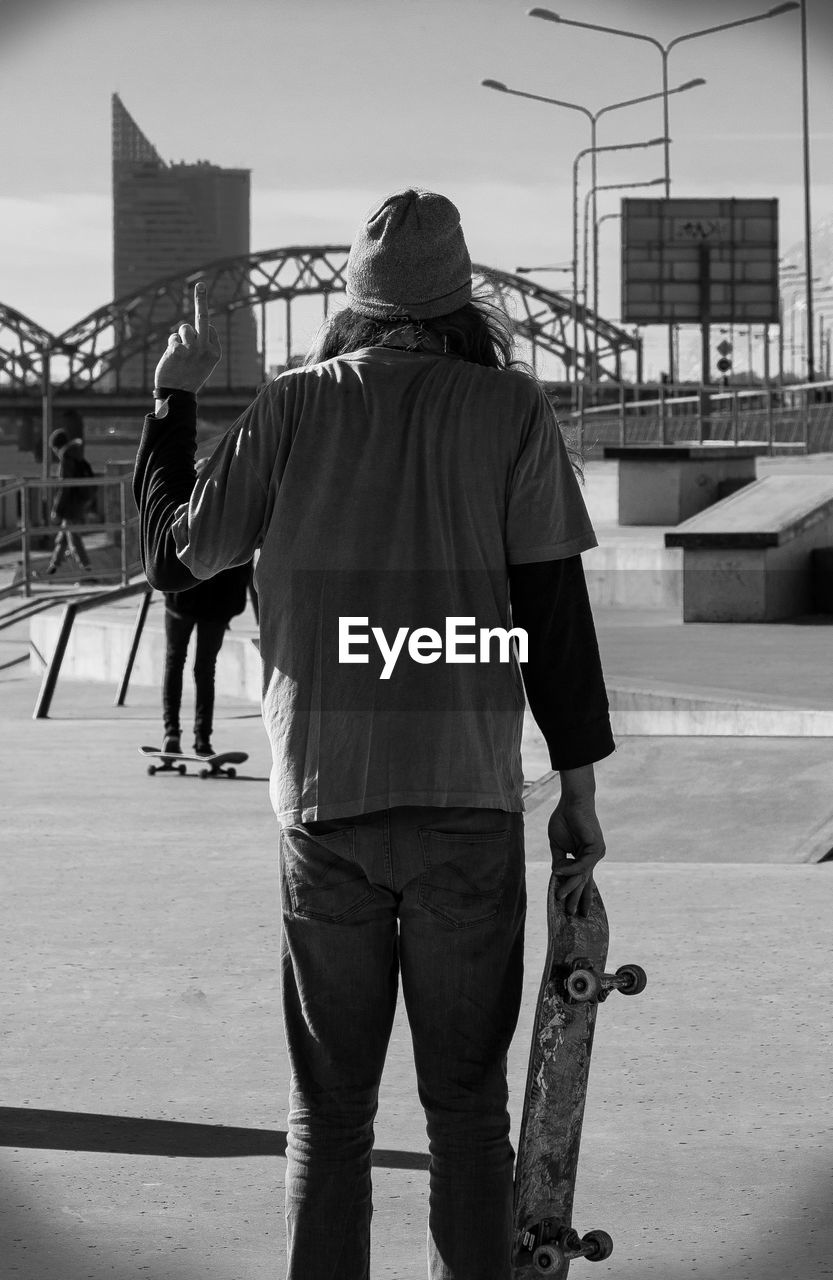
133 1135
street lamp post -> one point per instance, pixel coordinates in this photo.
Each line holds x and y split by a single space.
793 283
593 117
824 301
664 50
46 409
591 195
790 280
619 146
808 250
597 230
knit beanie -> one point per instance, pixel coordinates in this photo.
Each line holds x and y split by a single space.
409 259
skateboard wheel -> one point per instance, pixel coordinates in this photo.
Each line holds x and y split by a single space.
205 773
546 1259
602 1245
637 979
151 769
582 985
180 768
231 772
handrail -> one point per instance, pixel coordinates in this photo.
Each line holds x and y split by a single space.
114 491
53 669
714 393
797 416
29 607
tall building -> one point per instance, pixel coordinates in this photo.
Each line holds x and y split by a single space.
169 219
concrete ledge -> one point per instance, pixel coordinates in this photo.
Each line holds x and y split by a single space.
666 484
690 451
770 513
670 712
747 559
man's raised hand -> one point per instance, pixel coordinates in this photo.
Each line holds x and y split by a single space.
192 351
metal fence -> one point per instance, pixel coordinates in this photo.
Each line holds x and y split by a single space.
109 533
797 419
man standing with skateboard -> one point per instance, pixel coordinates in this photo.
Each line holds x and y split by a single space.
420 529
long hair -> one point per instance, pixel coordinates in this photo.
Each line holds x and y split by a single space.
478 332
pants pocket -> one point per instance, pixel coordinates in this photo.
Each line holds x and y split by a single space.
465 875
321 878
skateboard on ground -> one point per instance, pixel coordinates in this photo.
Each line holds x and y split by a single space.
212 766
573 984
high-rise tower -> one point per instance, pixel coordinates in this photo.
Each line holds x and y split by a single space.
174 218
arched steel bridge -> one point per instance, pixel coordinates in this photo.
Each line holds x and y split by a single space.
115 348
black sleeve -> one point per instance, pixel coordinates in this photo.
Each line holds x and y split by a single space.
563 675
163 479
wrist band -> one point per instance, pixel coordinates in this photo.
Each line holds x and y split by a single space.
163 393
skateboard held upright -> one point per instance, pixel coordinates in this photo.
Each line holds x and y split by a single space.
573 984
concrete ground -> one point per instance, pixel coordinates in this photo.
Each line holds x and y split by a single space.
784 662
145 1081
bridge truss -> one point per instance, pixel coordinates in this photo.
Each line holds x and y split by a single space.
115 348
22 346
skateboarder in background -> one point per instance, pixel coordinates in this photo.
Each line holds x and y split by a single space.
206 608
405 477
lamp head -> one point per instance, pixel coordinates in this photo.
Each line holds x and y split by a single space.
783 8
495 84
691 84
549 16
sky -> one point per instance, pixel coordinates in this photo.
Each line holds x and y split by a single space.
334 103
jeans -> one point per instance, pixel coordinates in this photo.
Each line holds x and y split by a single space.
210 632
66 541
439 896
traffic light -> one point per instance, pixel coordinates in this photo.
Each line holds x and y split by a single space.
724 364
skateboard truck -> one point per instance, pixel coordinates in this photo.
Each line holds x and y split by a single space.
547 1247
584 982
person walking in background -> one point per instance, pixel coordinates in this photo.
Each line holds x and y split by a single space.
206 609
405 481
71 502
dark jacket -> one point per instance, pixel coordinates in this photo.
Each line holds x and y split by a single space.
221 597
73 503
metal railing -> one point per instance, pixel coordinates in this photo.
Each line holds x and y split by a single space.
110 537
82 605
797 418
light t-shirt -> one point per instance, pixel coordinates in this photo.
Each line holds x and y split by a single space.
388 490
